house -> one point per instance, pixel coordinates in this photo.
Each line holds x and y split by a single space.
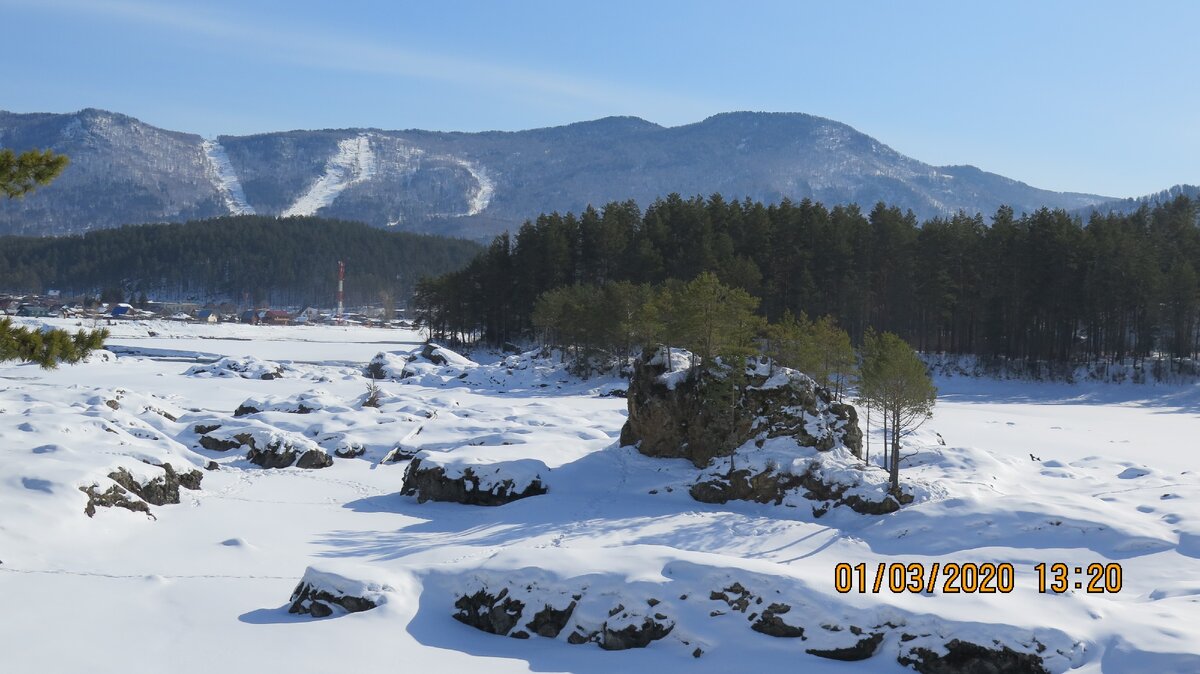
33 311
249 317
122 310
207 316
277 317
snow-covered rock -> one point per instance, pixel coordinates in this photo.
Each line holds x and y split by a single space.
246 367
681 408
300 403
322 593
434 476
267 446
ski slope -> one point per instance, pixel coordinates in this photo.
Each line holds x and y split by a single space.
352 163
225 179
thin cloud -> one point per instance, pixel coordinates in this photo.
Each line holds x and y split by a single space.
344 53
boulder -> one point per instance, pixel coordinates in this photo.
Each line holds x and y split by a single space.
699 412
494 614
268 447
432 477
322 593
964 657
770 484
278 456
550 621
860 650
245 367
771 624
620 635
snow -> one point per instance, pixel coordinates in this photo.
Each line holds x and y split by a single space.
1112 478
485 188
225 178
351 164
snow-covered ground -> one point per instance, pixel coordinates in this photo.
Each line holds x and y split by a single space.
205 584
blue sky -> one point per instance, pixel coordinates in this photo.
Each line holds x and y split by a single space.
1084 96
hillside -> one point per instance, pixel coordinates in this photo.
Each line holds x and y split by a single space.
254 257
476 184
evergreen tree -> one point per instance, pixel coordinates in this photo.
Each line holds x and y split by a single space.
22 173
895 381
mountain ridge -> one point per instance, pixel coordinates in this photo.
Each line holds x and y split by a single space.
477 184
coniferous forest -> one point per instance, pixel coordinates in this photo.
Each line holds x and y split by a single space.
1043 286
283 261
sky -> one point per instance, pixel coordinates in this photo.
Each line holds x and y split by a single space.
1093 96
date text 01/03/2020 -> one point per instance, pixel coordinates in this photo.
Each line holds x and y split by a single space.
971 577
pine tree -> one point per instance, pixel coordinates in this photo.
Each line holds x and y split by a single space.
894 380
47 348
22 173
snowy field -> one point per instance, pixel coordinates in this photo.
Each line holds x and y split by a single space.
204 585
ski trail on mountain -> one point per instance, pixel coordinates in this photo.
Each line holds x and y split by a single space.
353 163
225 179
483 193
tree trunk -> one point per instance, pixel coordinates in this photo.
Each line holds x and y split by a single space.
895 461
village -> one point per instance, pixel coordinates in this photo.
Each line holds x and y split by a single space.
54 305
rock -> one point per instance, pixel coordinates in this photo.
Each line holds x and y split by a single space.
710 410
219 445
246 367
431 478
270 447
772 485
740 485
771 624
964 657
244 410
321 594
115 496
160 490
628 636
861 650
576 638
494 614
549 621
735 596
204 429
349 450
212 465
282 456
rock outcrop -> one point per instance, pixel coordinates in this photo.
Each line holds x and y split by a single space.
437 478
138 495
964 657
268 447
159 490
115 496
770 484
709 410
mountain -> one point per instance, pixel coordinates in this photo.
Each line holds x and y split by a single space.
1150 200
475 184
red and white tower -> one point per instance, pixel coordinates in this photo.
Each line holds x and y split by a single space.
341 298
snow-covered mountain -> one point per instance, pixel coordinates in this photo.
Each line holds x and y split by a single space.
476 184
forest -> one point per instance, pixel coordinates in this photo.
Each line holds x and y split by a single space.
264 259
1045 286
